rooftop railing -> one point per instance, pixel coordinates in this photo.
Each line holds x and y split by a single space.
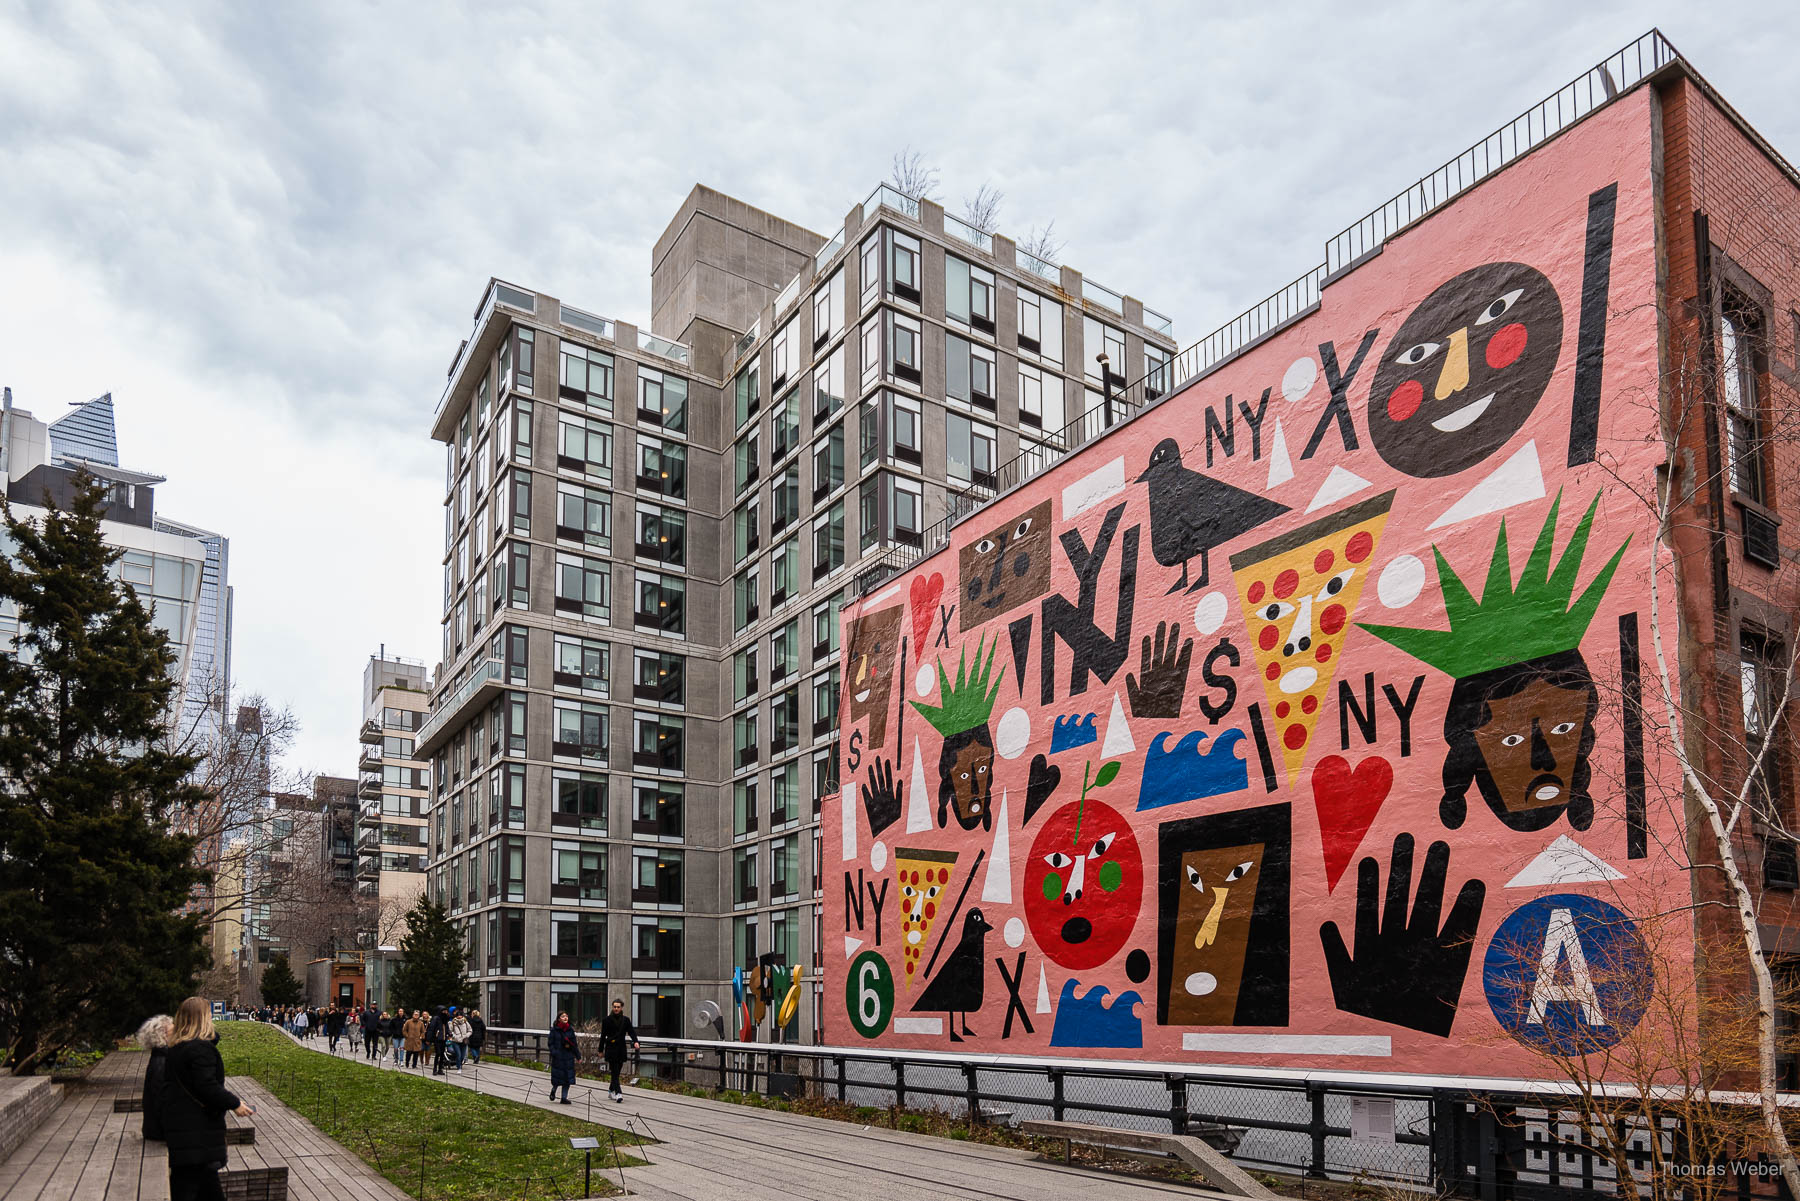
1100 294
892 197
1592 90
979 238
1039 266
667 348
826 251
593 324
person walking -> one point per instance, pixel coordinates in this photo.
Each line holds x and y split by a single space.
615 1031
153 1036
396 1034
334 1028
565 1053
194 1103
437 1032
460 1032
414 1031
300 1025
477 1035
353 1029
370 1021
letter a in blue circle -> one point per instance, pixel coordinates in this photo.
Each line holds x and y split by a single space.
1568 974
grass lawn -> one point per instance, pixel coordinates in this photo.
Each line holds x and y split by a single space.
475 1147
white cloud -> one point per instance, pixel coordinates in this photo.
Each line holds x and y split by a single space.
264 228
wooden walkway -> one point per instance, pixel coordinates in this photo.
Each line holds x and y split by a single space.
717 1151
86 1152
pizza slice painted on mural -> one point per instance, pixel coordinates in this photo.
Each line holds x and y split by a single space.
1299 590
924 876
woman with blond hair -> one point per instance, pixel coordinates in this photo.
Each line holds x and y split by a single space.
153 1036
194 1103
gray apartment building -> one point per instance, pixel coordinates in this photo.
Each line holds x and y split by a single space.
648 535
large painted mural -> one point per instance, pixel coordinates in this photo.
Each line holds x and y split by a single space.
1283 724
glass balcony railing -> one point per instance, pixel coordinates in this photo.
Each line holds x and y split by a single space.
1043 268
662 346
893 198
599 326
1158 323
958 228
830 248
490 672
1102 295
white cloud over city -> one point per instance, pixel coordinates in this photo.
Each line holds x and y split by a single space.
264 228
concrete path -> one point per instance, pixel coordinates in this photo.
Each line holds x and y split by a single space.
717 1151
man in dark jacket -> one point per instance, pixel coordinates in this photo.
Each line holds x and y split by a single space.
393 1028
615 1030
436 1032
370 1021
334 1028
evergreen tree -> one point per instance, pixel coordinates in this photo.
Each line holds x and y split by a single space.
432 952
90 937
279 984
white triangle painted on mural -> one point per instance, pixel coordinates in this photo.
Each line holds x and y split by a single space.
1514 482
1565 861
1281 468
1118 733
1043 1001
851 943
847 799
918 805
996 889
1337 486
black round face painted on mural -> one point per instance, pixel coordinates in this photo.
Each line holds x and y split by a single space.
1465 370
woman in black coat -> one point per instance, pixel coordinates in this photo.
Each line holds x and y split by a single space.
153 1036
565 1053
194 1104
477 1035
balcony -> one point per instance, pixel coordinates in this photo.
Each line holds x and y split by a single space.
369 787
652 344
483 340
370 759
478 689
371 730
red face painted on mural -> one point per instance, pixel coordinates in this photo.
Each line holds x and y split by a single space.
1082 884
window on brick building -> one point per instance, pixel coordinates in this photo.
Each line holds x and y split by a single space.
1740 333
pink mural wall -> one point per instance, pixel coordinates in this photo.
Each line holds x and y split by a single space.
1284 724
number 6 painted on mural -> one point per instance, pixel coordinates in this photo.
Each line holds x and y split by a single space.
869 994
1406 970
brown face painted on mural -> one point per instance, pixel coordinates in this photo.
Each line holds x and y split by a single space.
1212 933
966 763
1465 370
1531 743
869 675
1006 568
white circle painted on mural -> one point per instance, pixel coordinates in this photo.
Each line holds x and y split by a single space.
1299 379
1013 734
922 681
878 856
1200 984
1209 614
1015 931
1401 581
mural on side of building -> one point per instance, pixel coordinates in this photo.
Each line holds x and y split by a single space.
1244 734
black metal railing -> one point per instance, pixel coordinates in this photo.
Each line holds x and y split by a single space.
1455 1140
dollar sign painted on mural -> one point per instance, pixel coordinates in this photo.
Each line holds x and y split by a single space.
1214 710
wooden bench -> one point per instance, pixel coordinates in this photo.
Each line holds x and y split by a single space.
255 1184
1208 1162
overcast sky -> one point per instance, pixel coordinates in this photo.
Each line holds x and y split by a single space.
264 227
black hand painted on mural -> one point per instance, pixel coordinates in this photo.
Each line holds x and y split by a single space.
1045 776
881 795
1165 674
1406 970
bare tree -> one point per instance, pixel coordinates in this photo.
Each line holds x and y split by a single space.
913 176
982 210
1043 243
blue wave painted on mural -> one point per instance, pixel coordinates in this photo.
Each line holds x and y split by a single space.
1073 731
1088 1022
1186 772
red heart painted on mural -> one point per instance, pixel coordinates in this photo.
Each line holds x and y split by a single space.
925 594
1347 802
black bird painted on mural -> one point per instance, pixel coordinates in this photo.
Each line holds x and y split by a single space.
959 985
1191 513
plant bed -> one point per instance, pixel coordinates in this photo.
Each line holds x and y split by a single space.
467 1146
